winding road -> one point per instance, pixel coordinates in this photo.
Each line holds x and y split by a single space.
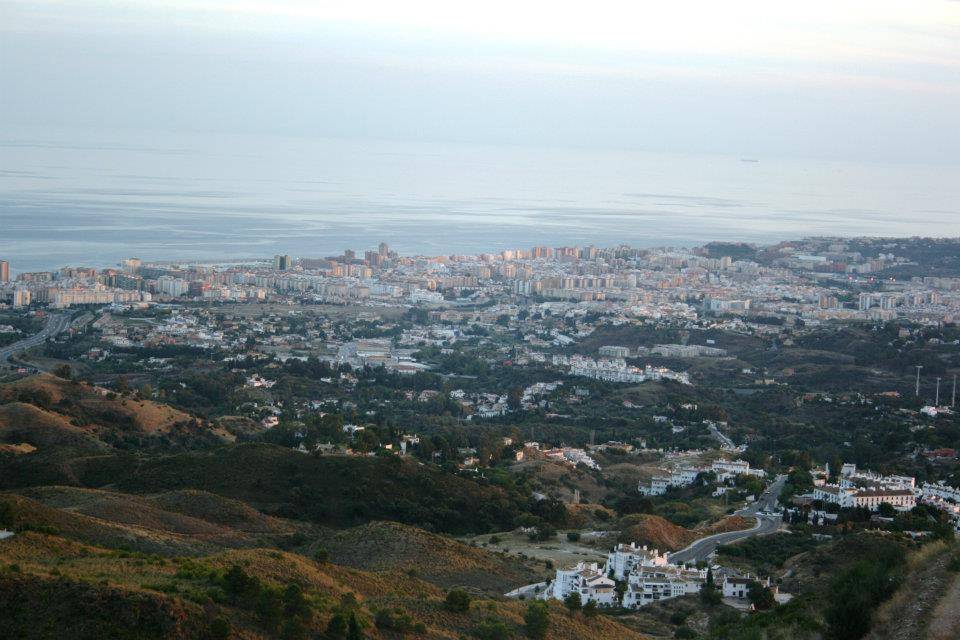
55 324
702 548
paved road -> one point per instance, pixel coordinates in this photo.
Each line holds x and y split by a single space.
724 440
703 547
55 324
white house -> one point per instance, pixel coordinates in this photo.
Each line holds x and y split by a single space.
587 579
658 486
626 557
729 468
739 587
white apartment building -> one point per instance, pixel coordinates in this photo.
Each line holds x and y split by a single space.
626 557
728 468
586 578
850 497
680 477
648 585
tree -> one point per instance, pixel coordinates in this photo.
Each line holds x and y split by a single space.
219 629
321 555
63 371
515 398
293 629
353 628
336 628
6 514
270 608
237 584
542 533
710 595
294 602
573 602
491 630
590 609
536 620
886 510
761 597
122 385
458 601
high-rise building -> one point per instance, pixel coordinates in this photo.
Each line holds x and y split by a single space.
349 255
282 263
383 250
4 271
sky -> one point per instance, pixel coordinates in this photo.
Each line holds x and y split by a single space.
873 81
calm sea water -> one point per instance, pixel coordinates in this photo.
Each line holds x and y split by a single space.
92 198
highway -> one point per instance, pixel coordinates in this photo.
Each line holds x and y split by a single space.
55 324
702 548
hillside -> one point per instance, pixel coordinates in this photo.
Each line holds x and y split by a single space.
45 431
435 559
118 520
330 490
663 534
122 421
91 592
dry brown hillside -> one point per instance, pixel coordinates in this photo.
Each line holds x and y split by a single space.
123 521
22 423
102 593
663 534
103 414
439 560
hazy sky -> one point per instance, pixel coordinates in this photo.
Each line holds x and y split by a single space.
872 80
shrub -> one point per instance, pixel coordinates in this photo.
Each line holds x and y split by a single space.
573 601
458 601
491 630
536 620
573 536
219 629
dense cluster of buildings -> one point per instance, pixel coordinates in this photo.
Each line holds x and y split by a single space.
806 279
865 489
649 576
615 370
682 476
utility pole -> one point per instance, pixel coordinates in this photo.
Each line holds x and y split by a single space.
937 402
917 392
953 397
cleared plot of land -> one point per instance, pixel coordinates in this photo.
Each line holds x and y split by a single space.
560 551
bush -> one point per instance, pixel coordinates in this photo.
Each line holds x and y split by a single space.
536 620
491 630
219 629
954 564
457 601
573 601
321 555
573 536
542 533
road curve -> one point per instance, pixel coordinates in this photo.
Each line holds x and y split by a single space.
702 548
55 324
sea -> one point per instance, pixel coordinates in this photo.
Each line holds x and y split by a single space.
93 197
